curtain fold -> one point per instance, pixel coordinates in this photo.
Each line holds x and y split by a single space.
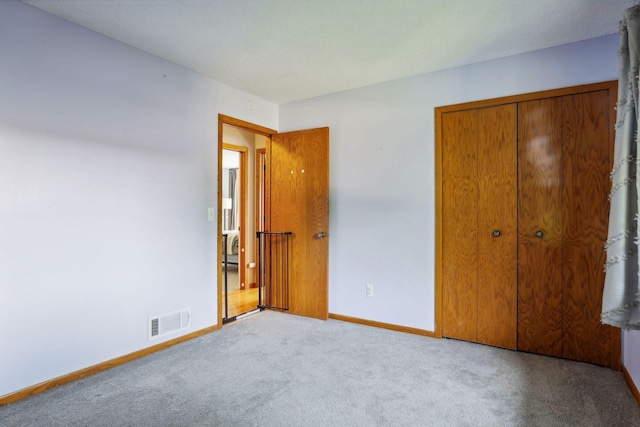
621 296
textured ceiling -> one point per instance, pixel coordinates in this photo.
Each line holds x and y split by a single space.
287 50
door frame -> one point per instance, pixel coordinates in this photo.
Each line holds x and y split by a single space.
251 127
611 86
260 200
242 224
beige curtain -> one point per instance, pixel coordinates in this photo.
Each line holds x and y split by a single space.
621 297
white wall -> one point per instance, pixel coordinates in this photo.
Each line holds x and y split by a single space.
382 211
108 162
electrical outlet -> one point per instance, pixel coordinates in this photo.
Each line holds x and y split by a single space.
370 289
211 214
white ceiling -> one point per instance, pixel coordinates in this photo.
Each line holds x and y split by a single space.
287 50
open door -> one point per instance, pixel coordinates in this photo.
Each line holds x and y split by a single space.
297 201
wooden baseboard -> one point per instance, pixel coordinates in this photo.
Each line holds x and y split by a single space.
632 385
382 325
82 373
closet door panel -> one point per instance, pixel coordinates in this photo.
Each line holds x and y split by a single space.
540 226
497 225
459 226
586 187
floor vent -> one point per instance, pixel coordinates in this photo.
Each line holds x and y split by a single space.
170 322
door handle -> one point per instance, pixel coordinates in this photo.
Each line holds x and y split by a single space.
321 235
539 234
496 233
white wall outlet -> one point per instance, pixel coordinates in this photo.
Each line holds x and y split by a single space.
370 289
211 214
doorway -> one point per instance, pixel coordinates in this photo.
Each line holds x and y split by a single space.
293 200
238 201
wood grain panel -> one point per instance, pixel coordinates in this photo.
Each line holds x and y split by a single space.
459 224
251 127
497 211
541 284
531 96
299 202
540 209
586 153
259 207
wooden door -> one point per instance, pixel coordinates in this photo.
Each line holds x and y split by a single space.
540 226
497 225
298 201
587 162
479 225
564 152
460 225
564 163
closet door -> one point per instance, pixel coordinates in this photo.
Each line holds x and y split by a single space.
564 163
540 226
479 225
587 163
460 225
497 225
548 208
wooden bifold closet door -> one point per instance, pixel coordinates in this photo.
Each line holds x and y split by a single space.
523 216
564 162
540 226
479 222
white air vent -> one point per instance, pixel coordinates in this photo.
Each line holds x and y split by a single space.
170 322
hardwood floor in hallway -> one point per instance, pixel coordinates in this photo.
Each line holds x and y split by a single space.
242 301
